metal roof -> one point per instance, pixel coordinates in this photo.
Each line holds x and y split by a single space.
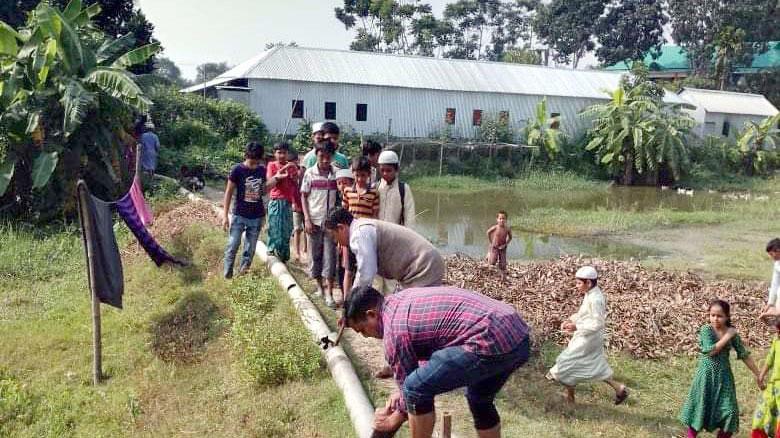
715 101
381 69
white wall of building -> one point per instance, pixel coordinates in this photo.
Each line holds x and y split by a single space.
414 112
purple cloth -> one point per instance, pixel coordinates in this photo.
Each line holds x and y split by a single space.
129 214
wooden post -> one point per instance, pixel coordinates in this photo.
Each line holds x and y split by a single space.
401 158
86 223
389 127
446 425
441 158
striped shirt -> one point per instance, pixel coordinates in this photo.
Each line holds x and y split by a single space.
418 321
364 204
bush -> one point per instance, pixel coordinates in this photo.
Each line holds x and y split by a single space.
273 348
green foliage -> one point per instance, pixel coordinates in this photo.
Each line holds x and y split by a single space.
195 131
28 253
58 73
543 133
629 30
635 132
758 142
568 27
17 406
272 350
495 129
302 140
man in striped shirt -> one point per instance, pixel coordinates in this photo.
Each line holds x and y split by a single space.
466 338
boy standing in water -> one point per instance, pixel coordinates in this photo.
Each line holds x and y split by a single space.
499 236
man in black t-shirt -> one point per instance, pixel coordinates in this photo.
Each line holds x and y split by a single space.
247 181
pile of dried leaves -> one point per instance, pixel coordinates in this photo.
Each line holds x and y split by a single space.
651 313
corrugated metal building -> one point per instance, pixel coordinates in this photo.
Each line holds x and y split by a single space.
409 96
723 113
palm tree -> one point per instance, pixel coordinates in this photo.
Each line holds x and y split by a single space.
65 94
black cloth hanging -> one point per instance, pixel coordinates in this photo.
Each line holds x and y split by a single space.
108 281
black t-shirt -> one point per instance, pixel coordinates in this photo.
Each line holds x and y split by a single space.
250 184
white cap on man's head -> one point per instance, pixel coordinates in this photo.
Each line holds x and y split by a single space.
344 173
587 273
317 126
388 157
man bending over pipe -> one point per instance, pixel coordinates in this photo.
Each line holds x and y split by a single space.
386 249
467 338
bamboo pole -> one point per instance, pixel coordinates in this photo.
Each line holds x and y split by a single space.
88 230
441 158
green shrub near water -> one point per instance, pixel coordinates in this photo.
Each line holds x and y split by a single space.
272 350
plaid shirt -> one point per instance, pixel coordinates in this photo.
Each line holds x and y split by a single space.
418 321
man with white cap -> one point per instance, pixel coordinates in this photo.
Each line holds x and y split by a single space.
331 132
584 358
396 203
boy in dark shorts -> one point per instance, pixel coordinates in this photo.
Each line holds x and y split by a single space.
499 236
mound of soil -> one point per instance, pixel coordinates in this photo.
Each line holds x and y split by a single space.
651 313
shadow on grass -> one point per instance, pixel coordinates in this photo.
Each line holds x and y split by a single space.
181 248
181 334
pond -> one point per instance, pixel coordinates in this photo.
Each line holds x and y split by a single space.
457 222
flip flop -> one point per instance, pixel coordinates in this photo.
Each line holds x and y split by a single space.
621 396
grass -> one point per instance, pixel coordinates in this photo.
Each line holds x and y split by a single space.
171 360
534 180
530 406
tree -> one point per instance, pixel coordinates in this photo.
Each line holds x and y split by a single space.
728 45
382 25
755 139
269 46
629 30
210 70
522 55
543 133
118 18
58 73
485 29
696 25
167 69
636 133
568 27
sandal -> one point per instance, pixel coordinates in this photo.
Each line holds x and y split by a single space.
621 396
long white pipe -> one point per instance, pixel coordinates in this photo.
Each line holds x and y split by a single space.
360 408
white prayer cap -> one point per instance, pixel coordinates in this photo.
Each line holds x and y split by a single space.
344 173
587 273
316 127
388 157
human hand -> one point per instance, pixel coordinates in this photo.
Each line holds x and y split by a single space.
761 382
393 400
385 421
282 173
308 226
225 222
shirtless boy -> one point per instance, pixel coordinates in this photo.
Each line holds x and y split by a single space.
499 236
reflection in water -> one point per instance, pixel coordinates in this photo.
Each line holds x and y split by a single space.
457 223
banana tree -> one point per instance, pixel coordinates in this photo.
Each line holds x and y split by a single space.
636 133
63 83
542 132
755 139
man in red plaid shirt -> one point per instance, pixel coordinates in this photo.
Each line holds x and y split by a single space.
466 338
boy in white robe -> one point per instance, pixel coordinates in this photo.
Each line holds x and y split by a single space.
584 358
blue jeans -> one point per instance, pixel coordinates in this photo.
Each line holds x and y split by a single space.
454 367
238 226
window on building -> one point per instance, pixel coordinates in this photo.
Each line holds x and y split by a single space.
555 120
361 112
503 116
476 118
726 128
449 118
297 109
330 110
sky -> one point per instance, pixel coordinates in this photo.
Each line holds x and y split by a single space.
199 31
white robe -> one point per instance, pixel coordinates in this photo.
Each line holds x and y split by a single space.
584 358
